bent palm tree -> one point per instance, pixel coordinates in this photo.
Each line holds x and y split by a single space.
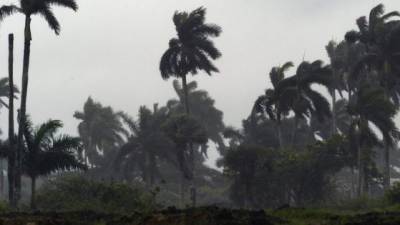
203 108
99 128
380 35
369 105
146 144
29 8
46 153
305 101
273 103
192 50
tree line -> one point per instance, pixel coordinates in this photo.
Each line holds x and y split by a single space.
297 146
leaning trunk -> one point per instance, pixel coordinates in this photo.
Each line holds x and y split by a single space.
33 193
22 115
11 156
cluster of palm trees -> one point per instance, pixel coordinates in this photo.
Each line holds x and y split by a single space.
365 66
153 147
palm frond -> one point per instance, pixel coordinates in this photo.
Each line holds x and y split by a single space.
128 120
66 143
52 21
52 161
8 10
376 13
390 15
46 131
64 3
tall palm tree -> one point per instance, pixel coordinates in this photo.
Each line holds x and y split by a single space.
380 35
146 144
273 103
192 50
11 134
304 100
183 130
29 8
203 108
100 127
336 55
45 152
369 105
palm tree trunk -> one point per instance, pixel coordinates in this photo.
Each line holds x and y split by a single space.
11 156
334 126
360 165
279 128
192 185
352 182
22 116
386 174
386 157
185 91
33 193
182 190
152 169
294 134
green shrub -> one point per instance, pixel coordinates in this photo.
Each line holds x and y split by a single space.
393 194
71 193
4 206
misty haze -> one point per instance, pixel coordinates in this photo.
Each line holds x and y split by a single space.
197 112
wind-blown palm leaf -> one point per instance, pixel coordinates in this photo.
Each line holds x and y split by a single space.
192 50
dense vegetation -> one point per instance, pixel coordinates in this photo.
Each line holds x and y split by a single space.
323 136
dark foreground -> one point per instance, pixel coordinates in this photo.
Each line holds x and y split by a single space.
202 216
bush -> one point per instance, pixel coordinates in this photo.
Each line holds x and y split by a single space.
72 193
393 194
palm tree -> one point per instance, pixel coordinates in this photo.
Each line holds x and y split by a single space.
184 130
203 108
342 121
192 50
380 35
46 153
304 100
146 144
369 105
337 61
11 134
370 30
29 8
273 103
100 127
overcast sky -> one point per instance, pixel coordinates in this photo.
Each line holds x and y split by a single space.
112 52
